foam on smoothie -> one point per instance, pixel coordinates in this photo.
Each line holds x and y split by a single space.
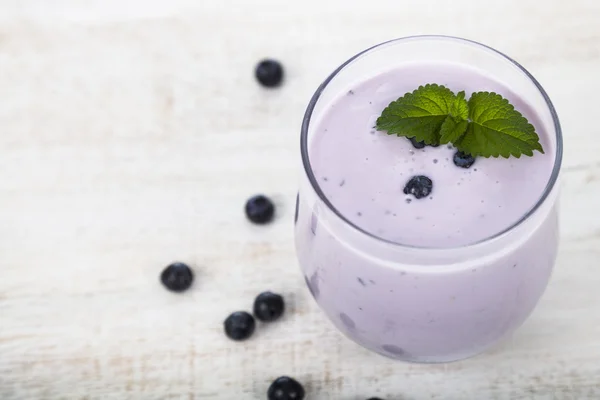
363 172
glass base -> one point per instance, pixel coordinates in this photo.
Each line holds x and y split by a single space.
415 359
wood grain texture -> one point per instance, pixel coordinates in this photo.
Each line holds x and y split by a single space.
131 133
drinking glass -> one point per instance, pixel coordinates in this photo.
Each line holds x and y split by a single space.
426 304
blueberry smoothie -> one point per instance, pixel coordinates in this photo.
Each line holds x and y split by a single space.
420 252
364 172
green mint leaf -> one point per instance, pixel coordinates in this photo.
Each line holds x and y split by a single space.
422 113
497 129
455 125
487 125
452 130
460 107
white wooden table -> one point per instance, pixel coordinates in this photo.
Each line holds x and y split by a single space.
132 132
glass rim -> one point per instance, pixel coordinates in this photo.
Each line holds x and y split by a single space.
317 188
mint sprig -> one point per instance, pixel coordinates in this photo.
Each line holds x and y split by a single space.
487 125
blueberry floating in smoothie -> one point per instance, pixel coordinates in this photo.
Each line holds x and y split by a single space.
314 222
297 205
268 306
417 145
419 186
392 349
313 285
285 388
177 277
239 325
269 73
347 321
260 209
463 160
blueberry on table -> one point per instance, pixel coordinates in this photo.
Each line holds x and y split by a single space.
268 306
239 325
269 73
177 277
260 209
419 186
285 388
463 160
